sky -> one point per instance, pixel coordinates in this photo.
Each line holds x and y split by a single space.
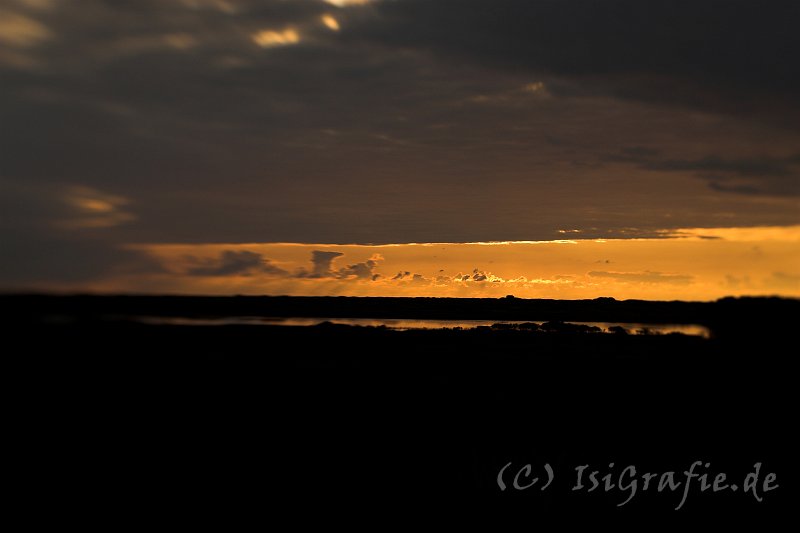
542 148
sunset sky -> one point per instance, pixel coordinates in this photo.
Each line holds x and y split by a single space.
541 148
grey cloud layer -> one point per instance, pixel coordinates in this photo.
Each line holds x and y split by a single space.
775 175
732 55
235 263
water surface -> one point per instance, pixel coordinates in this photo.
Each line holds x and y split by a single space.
404 324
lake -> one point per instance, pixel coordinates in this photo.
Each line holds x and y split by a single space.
403 324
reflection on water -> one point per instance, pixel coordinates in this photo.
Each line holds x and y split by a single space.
402 324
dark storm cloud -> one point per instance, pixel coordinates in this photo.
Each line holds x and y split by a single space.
407 278
731 55
737 189
321 262
235 263
742 175
363 270
479 275
322 267
763 166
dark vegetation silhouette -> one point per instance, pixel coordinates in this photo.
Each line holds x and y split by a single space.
340 420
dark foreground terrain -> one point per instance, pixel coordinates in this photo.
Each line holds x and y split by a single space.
119 422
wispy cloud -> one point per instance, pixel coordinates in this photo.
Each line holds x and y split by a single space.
643 277
91 208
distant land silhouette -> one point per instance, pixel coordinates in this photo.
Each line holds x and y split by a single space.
142 418
724 316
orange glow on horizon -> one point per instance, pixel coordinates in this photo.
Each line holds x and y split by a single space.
694 264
